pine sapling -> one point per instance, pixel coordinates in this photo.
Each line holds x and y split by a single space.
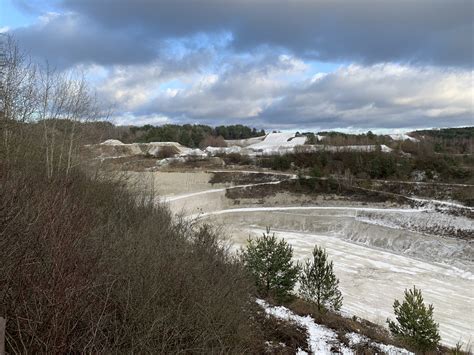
269 260
414 322
319 284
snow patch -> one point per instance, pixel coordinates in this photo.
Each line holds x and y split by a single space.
223 150
308 208
112 142
320 338
355 339
402 137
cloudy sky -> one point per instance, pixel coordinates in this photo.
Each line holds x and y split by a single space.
275 64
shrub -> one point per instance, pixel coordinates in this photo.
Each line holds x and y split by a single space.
88 268
237 158
311 139
212 141
269 261
280 162
315 171
167 151
319 284
414 322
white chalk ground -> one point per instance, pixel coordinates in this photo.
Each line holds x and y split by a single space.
271 144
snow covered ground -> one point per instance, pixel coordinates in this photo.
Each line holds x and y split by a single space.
281 143
277 142
402 137
320 338
372 277
113 148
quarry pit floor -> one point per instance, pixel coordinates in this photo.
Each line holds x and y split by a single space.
374 259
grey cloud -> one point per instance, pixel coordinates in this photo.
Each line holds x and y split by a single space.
240 90
68 39
246 80
425 31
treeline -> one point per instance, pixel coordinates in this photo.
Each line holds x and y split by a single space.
189 135
376 165
447 133
97 131
448 140
441 141
344 139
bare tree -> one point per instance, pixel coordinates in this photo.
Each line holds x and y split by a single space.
30 93
66 100
18 98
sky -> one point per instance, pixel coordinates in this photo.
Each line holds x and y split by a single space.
275 64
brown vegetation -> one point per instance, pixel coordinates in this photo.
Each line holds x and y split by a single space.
236 159
167 151
238 178
284 337
89 267
313 187
212 141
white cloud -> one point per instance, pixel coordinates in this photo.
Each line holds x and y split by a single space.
382 95
129 118
281 91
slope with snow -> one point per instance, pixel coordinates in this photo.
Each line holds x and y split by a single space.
402 137
277 142
244 142
271 144
322 339
113 148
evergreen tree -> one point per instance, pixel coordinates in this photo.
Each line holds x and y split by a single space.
319 284
269 260
311 139
415 323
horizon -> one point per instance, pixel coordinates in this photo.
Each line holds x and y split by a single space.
372 65
346 130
